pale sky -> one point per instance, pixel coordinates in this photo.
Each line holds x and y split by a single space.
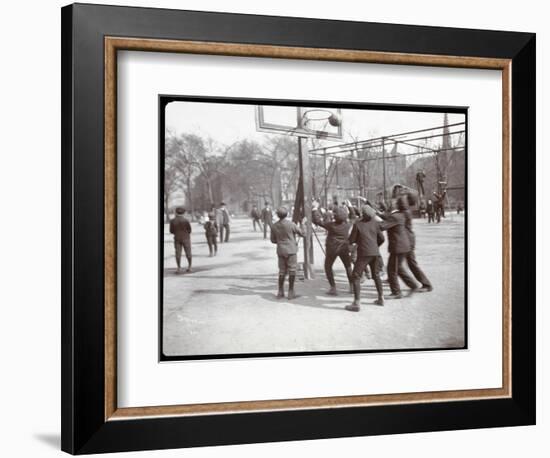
228 123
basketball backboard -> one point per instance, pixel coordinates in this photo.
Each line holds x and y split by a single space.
316 122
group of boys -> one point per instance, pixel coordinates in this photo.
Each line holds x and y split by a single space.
347 227
218 222
363 229
263 219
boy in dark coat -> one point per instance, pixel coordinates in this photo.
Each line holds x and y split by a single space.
337 245
284 233
211 233
224 222
267 218
399 246
366 233
430 210
255 215
180 227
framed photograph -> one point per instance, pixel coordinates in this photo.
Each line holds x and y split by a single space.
284 228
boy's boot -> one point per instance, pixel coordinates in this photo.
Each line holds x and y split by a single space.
281 292
291 294
355 305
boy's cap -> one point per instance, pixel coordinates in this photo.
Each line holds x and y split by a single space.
180 210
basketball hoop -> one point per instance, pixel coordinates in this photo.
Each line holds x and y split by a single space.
319 115
300 121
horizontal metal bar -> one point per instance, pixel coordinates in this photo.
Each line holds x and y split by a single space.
389 137
397 141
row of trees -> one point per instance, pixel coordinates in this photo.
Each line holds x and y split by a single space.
204 172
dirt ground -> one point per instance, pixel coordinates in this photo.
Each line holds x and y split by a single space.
227 305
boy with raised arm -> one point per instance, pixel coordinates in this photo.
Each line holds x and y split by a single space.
368 237
337 245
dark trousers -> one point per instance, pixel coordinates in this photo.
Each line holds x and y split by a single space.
416 270
266 225
225 227
256 221
395 270
185 246
212 243
380 264
430 217
332 254
360 265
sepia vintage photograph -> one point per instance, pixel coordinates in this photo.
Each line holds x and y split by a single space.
307 227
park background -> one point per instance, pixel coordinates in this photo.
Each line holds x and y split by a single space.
213 153
30 235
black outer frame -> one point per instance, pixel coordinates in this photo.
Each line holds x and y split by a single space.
84 429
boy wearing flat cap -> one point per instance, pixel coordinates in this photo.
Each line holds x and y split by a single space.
399 246
337 245
284 233
224 221
211 233
181 228
267 218
367 234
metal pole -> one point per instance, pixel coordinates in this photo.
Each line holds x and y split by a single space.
306 184
384 169
364 180
326 177
303 157
371 140
438 172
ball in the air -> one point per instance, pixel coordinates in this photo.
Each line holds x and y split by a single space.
335 119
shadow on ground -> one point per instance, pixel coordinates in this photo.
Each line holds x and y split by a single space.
51 439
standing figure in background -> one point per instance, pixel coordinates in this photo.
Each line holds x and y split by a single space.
284 233
267 218
181 228
422 209
439 204
337 245
368 237
255 215
430 210
399 246
224 220
211 233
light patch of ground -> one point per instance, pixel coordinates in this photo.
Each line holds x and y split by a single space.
228 305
